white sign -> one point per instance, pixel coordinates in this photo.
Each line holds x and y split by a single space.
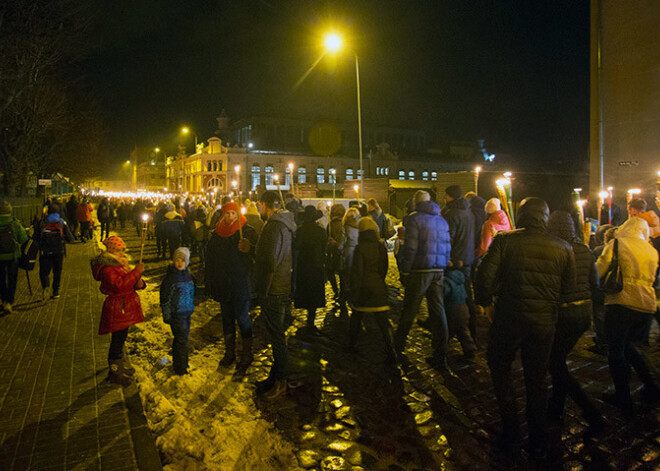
45 182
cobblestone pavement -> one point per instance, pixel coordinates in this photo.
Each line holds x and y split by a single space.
57 410
348 411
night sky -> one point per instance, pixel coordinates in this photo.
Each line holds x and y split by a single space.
515 73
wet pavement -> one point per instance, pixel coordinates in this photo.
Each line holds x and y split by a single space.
350 411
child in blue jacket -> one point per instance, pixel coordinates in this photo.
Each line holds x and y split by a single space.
177 296
458 314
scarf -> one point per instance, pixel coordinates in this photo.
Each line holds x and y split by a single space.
227 230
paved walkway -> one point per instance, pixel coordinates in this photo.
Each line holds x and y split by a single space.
57 410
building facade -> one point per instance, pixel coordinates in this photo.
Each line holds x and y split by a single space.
625 95
202 173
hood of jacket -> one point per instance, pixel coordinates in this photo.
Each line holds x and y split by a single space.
171 215
284 217
499 218
533 214
428 207
460 203
55 217
104 259
477 204
633 228
560 224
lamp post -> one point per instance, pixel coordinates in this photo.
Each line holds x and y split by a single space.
333 43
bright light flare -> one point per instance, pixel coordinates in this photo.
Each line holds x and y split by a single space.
356 188
157 149
581 203
332 42
603 194
577 190
185 130
634 191
477 168
276 177
128 161
145 217
237 169
243 210
507 174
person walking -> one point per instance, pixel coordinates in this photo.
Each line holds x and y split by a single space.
121 308
84 216
72 215
497 221
376 213
12 237
52 235
350 222
368 293
199 231
229 270
528 272
629 312
309 248
103 213
574 318
460 218
422 262
172 226
273 286
177 302
458 314
335 242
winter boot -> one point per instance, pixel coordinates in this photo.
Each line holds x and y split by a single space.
116 376
246 355
126 368
230 350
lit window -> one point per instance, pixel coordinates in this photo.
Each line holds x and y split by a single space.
302 175
359 174
411 175
256 176
425 175
320 175
402 174
269 174
434 176
349 174
287 176
332 175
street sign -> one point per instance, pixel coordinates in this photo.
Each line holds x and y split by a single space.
45 182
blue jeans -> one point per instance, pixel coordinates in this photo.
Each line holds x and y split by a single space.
180 324
234 312
274 310
419 285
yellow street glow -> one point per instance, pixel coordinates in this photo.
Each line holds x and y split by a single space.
157 149
185 130
332 42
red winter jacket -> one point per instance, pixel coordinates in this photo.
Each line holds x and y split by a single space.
496 222
121 308
84 212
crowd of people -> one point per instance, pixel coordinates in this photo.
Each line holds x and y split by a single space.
541 285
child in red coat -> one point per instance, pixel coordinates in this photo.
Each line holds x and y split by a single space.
121 308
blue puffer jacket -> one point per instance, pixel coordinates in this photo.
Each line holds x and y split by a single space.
426 246
177 293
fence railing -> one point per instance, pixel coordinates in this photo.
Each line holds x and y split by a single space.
25 209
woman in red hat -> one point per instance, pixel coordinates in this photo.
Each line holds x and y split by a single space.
121 308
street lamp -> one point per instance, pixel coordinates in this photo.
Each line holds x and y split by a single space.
186 130
333 43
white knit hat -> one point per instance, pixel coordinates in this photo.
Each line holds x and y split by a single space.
492 205
183 253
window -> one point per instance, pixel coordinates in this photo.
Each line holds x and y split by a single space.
302 175
434 176
269 174
359 174
332 175
382 171
208 166
402 174
287 176
349 174
256 176
411 175
320 175
425 175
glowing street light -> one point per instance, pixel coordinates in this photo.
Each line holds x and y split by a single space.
186 130
333 43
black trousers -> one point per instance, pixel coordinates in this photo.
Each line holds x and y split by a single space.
507 335
572 322
117 345
48 263
8 277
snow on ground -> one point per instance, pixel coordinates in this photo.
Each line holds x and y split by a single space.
206 420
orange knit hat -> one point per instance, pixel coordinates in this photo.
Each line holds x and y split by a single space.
114 244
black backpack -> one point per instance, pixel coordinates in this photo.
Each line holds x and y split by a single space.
51 240
29 254
8 242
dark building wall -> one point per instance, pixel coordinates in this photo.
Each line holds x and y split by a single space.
630 94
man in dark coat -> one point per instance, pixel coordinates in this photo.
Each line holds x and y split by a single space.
71 209
462 232
310 246
273 286
528 271
422 261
